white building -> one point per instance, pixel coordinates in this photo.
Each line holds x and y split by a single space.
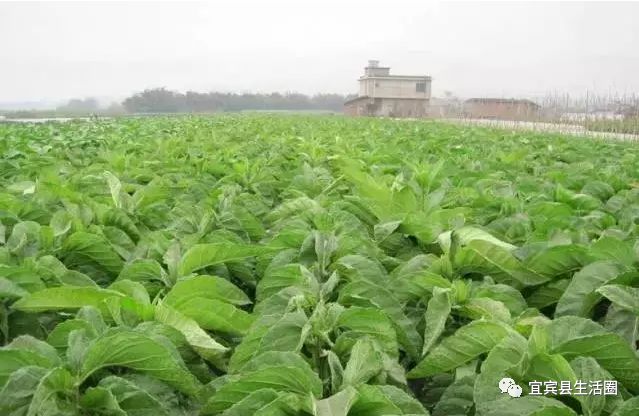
383 94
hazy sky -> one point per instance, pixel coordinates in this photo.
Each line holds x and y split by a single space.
53 51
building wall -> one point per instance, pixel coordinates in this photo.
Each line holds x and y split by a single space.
501 111
397 107
352 109
364 86
387 107
393 88
377 71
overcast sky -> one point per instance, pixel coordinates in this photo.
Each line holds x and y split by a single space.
55 51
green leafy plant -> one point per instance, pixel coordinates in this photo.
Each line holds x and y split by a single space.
321 266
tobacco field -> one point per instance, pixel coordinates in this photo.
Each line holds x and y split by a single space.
268 265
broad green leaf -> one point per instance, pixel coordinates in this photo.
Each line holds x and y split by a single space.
504 360
24 276
75 278
587 368
83 248
298 380
275 359
53 394
611 352
570 327
101 401
558 260
78 343
548 294
339 404
457 399
16 395
49 264
286 404
205 255
625 297
64 297
478 308
132 398
484 257
171 257
132 289
508 295
94 317
628 408
427 228
23 187
465 345
325 246
539 339
115 187
623 323
11 360
465 235
284 300
379 296
215 315
599 189
61 223
507 355
384 230
366 322
59 336
25 239
364 363
277 278
413 281
610 248
549 367
206 346
336 369
143 270
375 400
210 287
580 295
378 197
127 348
574 337
29 343
9 289
250 404
120 241
270 333
293 206
439 307
527 406
356 267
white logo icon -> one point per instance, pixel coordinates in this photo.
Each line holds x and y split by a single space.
508 385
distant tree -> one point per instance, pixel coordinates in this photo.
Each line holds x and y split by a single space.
78 105
114 109
157 100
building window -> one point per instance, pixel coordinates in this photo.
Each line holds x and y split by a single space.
420 87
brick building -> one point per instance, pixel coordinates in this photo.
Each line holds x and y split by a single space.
501 108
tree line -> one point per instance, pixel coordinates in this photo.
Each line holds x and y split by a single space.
162 100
